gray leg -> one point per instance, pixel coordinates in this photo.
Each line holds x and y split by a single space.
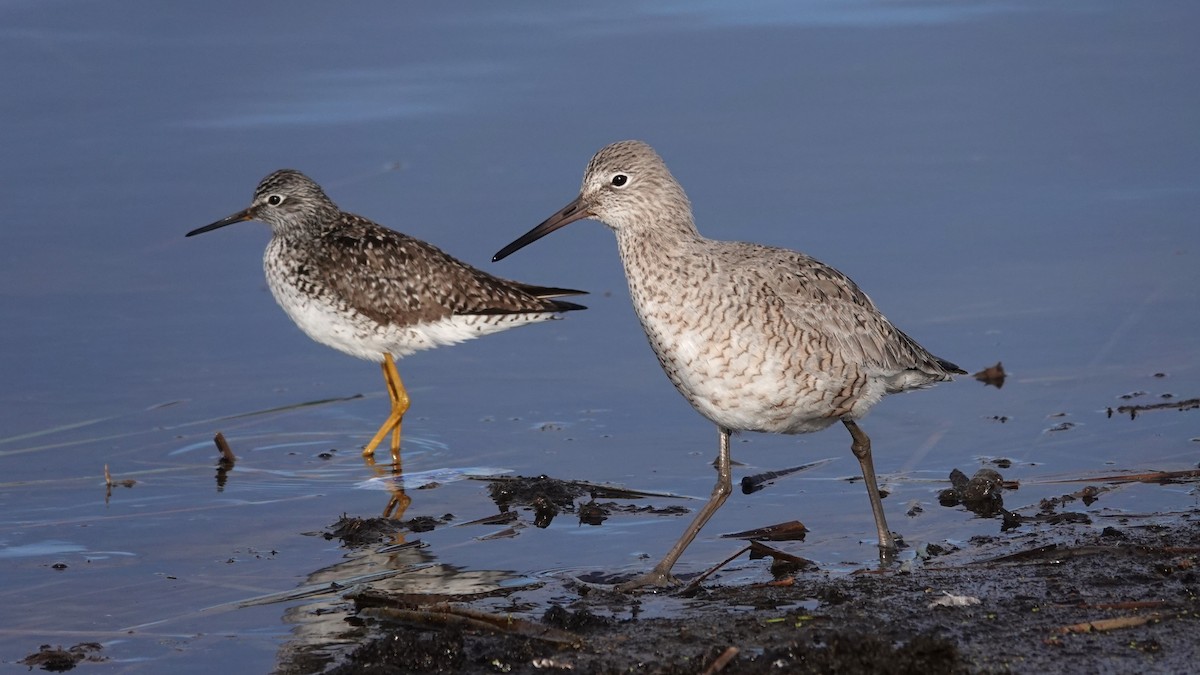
861 447
661 574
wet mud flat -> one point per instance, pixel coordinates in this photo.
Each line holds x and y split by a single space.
1069 597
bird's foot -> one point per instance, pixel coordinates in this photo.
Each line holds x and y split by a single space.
391 426
888 549
655 578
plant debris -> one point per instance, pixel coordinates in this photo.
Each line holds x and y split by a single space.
358 532
1056 598
547 497
993 375
752 484
58 660
1133 410
793 530
981 494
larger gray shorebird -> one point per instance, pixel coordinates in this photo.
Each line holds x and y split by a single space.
755 338
375 293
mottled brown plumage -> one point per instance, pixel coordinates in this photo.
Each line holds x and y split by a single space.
375 293
756 338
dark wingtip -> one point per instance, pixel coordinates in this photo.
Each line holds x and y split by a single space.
563 306
950 367
548 292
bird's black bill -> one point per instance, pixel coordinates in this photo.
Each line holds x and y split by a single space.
565 216
238 217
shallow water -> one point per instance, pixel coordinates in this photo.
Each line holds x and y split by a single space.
1012 183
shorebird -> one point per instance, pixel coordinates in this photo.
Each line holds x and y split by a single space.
375 293
756 338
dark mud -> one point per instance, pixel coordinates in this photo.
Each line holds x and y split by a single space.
59 660
1072 598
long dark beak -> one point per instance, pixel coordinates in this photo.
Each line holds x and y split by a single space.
247 214
568 214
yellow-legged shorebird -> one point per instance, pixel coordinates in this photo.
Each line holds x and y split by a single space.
756 338
375 293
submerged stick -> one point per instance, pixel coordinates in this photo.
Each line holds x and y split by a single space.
466 619
751 484
109 482
1133 410
721 661
1101 625
1147 477
695 583
227 456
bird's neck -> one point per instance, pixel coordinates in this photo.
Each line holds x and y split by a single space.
664 236
659 255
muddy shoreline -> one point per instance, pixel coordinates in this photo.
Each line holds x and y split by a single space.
1122 597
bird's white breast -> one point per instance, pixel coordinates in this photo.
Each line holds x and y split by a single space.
331 322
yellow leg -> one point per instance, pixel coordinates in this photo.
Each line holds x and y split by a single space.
399 500
397 505
400 404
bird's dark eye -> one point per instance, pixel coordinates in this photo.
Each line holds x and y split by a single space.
619 180
274 200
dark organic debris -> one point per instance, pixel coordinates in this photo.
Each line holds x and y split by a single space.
1032 604
1088 495
866 653
419 651
981 494
358 532
544 511
508 490
782 564
422 524
592 513
519 488
752 484
1012 519
613 507
1047 510
543 494
932 550
577 621
549 496
227 456
1160 477
58 660
993 375
456 617
1133 410
793 530
502 518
